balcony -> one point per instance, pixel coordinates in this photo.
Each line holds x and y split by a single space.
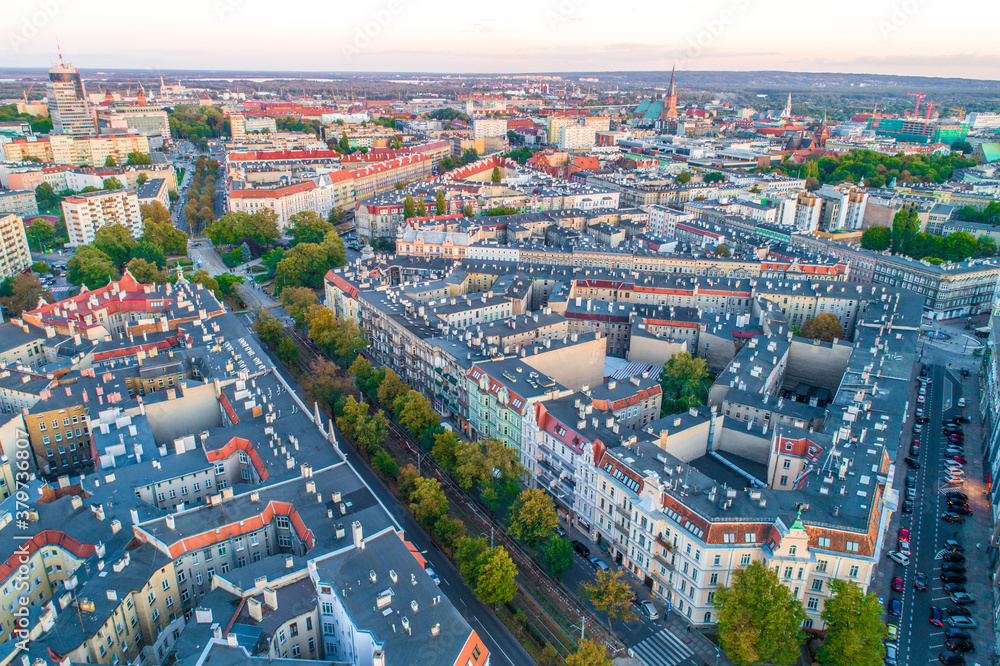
662 559
623 512
663 542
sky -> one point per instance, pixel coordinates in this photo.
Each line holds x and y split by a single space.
908 37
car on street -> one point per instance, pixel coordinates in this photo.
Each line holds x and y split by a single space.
598 564
581 549
963 622
952 517
936 616
895 607
560 530
961 597
961 402
907 507
920 581
898 557
433 575
891 654
904 547
911 462
904 534
897 583
649 610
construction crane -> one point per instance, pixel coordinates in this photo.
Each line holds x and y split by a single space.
930 107
919 96
28 93
874 109
961 112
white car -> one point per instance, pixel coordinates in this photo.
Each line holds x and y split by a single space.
433 575
898 557
962 621
891 654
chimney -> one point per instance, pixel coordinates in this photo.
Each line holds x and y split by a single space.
253 606
359 539
170 522
289 562
271 598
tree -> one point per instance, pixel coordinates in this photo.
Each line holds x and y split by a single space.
223 230
345 144
371 432
150 253
714 177
497 584
496 176
391 388
22 292
469 556
959 246
855 632
353 414
533 516
261 227
449 530
824 326
155 212
421 208
113 183
611 595
445 449
589 653
758 619
385 465
139 158
681 382
268 329
985 247
296 301
721 251
110 161
304 265
287 351
417 415
46 197
427 501
684 177
204 279
467 210
146 272
40 267
904 226
440 206
116 242
333 248
141 179
308 227
164 235
340 338
876 238
227 283
558 556
326 385
962 146
41 233
90 267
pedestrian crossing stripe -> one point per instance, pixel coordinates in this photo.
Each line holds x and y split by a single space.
662 649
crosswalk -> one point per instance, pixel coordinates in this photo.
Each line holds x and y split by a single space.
663 649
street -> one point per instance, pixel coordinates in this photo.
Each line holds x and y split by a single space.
504 648
920 642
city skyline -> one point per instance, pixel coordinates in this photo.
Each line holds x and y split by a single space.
572 35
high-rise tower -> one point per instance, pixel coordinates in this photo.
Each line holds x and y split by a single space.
68 103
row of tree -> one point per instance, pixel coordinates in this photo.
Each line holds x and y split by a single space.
199 211
760 621
198 124
905 237
877 169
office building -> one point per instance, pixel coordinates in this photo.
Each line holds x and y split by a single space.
68 104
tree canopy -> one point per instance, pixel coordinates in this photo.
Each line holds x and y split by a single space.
682 383
877 169
533 516
758 619
855 631
611 595
824 326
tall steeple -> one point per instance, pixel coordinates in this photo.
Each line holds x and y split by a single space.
787 111
670 101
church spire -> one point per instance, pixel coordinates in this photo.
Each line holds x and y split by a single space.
670 101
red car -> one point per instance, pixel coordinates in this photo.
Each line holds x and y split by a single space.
958 459
904 534
897 583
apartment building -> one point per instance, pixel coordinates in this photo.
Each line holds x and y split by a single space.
284 200
76 150
15 255
18 202
86 213
948 290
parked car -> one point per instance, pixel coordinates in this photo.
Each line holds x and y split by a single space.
904 547
962 621
956 645
961 402
959 610
959 458
956 494
649 610
893 631
961 597
560 530
911 462
956 567
954 546
952 517
896 607
891 654
907 506
911 482
960 509
911 494
953 577
951 658
953 557
897 583
952 588
581 549
433 575
950 634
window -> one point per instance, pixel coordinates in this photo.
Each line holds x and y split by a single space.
284 541
788 572
185 595
854 571
211 572
198 577
222 549
717 561
792 551
821 565
813 603
326 608
745 560
309 625
783 481
294 629
296 650
281 637
156 614
714 579
170 600
225 567
852 546
208 554
817 585
823 542
786 464
151 598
